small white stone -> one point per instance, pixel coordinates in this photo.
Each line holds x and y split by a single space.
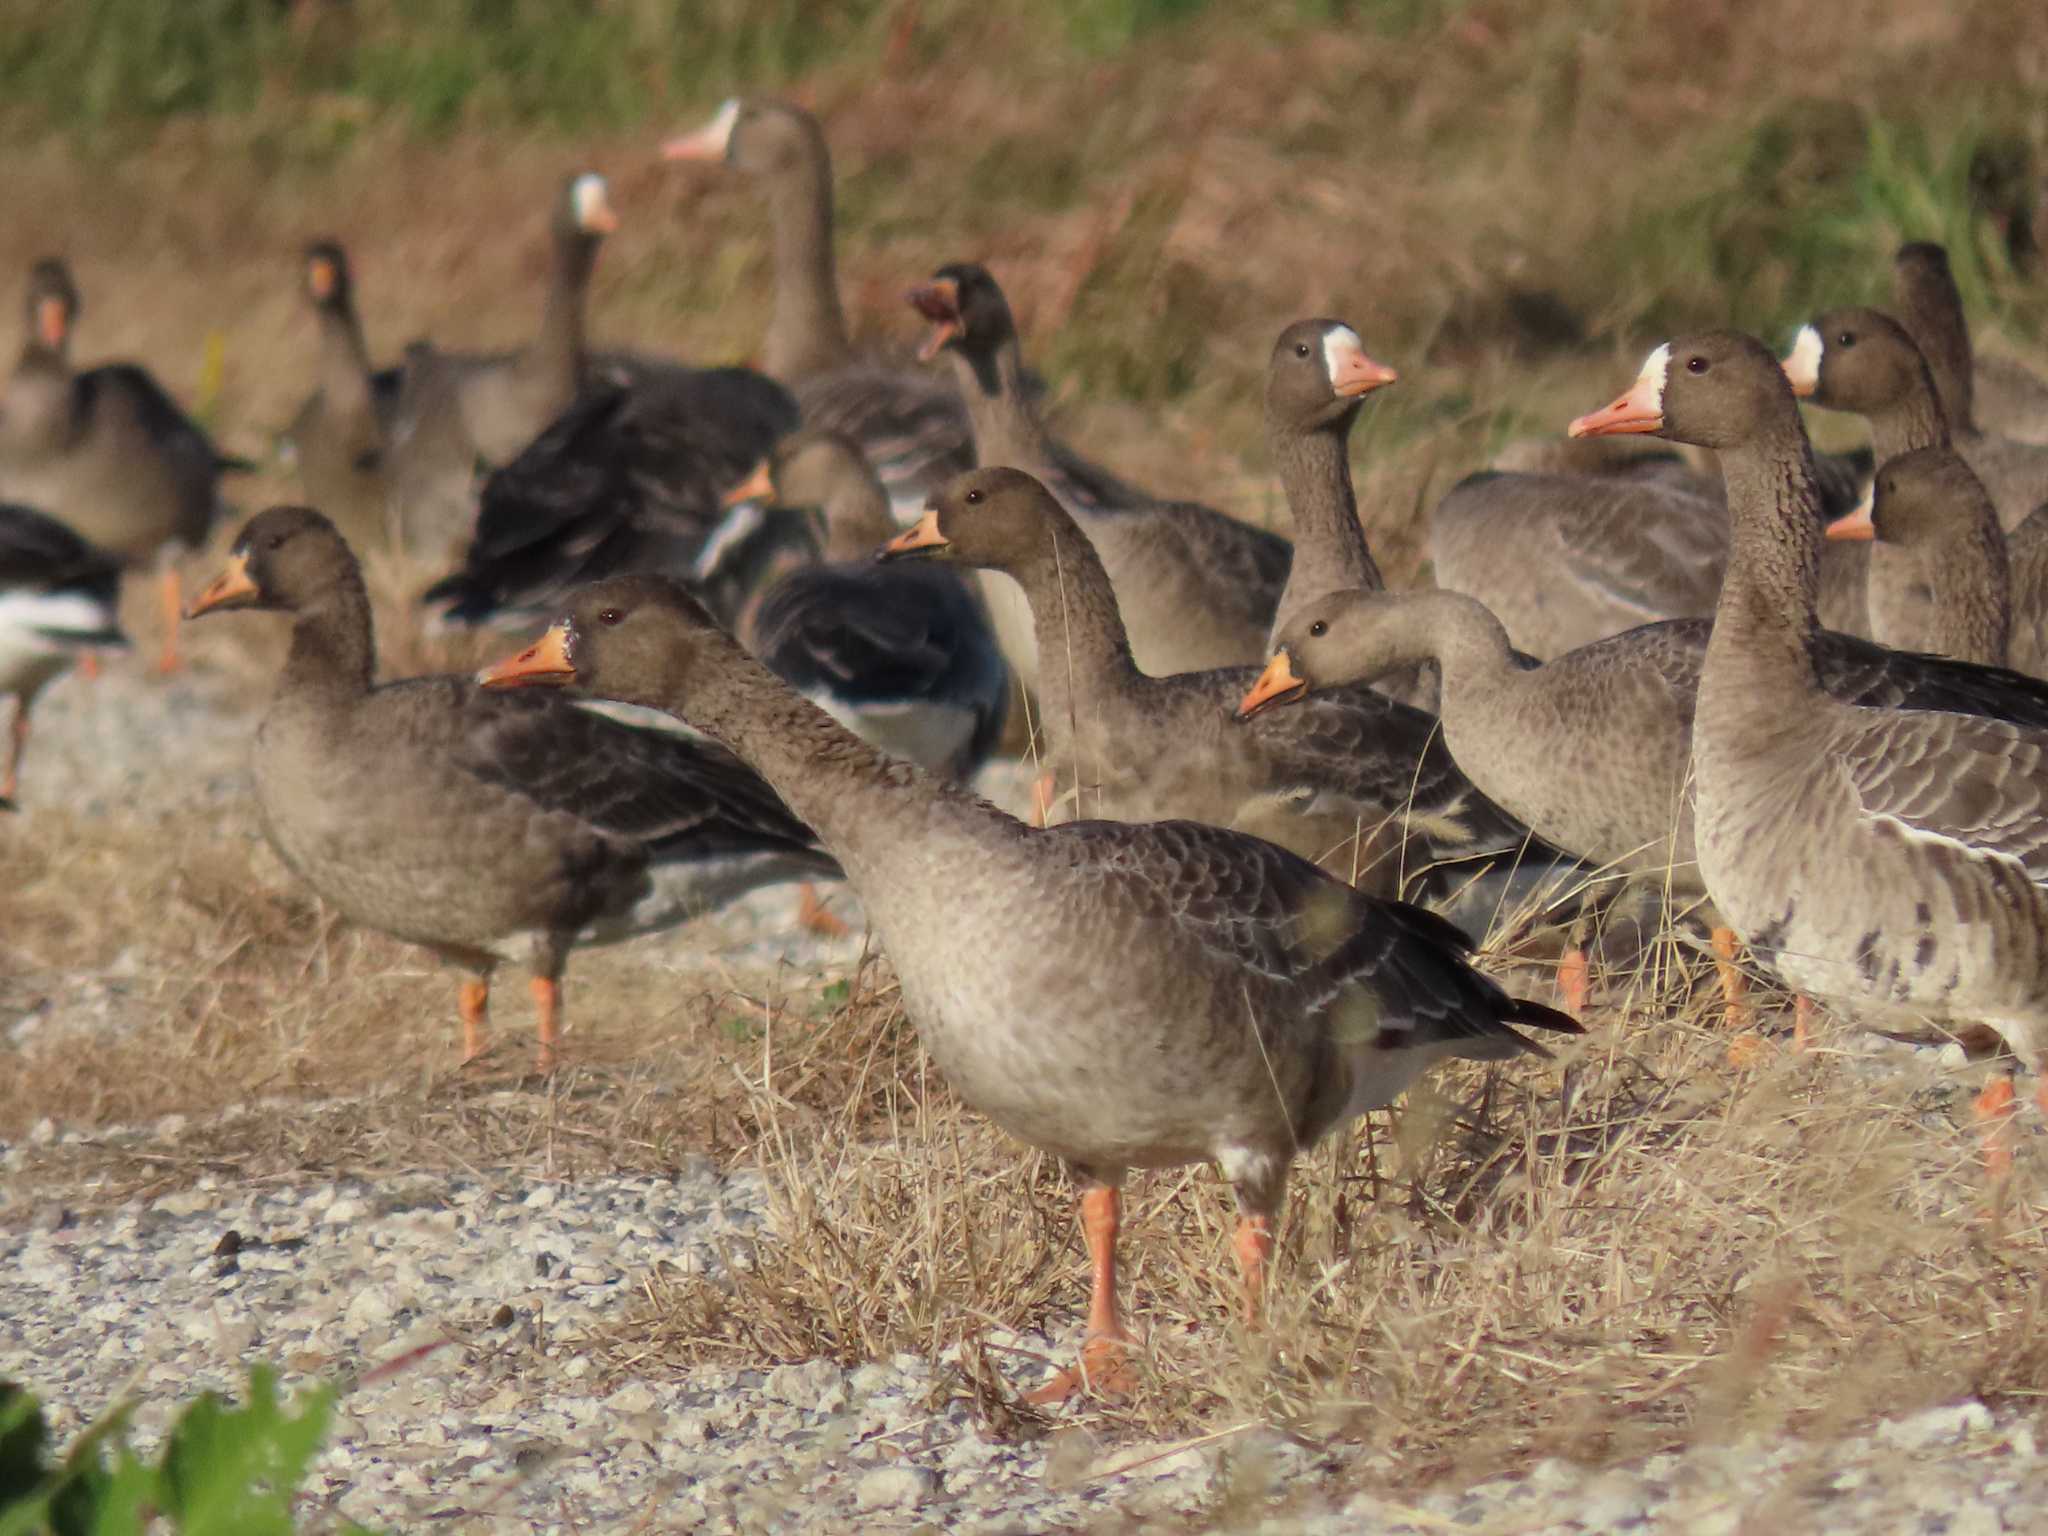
577 1368
637 1397
344 1210
894 1488
1946 1424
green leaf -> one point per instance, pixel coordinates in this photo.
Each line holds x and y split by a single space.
231 1472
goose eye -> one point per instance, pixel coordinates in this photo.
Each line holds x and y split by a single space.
1846 339
610 617
1301 349
1318 629
1695 365
974 498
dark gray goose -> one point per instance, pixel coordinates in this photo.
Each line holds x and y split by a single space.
1877 858
1352 780
910 425
1198 588
481 827
900 654
59 600
1119 996
105 451
1992 398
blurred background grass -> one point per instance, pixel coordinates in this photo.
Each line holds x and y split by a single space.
1508 198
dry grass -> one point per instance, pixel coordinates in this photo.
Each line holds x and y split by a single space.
1635 1246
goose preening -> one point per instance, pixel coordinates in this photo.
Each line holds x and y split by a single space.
482 827
1117 995
105 451
1875 857
1198 588
911 425
59 600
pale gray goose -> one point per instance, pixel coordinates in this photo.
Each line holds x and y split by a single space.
1876 858
1940 582
911 426
1862 360
338 443
1198 588
1352 780
105 450
59 599
1119 996
482 828
1989 397
900 654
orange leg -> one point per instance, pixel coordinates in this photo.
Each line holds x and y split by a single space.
89 666
1104 1368
473 1001
1254 1245
1574 981
1734 985
547 1002
1042 800
1803 1015
811 914
168 660
17 742
1994 1109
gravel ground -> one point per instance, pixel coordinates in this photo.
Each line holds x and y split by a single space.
502 1426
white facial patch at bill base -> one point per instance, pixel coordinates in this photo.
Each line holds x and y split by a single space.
716 135
1649 388
1340 345
1802 363
591 200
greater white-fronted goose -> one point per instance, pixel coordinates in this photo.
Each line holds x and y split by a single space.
1876 858
1198 588
59 598
1564 558
1988 397
1939 581
480 827
338 443
1862 360
630 478
911 426
105 451
900 654
1119 996
1347 781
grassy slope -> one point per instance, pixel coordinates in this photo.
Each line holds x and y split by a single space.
1160 192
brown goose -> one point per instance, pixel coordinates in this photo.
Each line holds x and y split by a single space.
912 427
1119 996
59 600
1992 399
105 451
1877 858
1198 588
504 400
1862 360
1939 580
1346 781
338 442
480 827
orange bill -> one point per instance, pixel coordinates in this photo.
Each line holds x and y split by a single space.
1352 373
921 535
1856 524
232 588
543 663
53 321
1276 685
938 302
758 486
320 277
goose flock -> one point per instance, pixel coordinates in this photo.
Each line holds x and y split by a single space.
1792 703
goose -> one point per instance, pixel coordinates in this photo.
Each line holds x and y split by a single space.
1876 858
105 451
59 600
1116 995
481 827
910 425
1198 588
1988 398
1347 782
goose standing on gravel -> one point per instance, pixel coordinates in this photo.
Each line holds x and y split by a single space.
911 426
339 441
1198 589
480 827
59 599
1876 858
1119 996
105 451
